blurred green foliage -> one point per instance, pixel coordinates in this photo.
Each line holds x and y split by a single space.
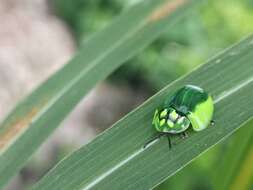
207 30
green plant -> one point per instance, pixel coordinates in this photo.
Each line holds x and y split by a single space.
236 167
118 153
205 31
35 118
117 158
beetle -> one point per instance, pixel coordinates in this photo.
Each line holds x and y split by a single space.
190 106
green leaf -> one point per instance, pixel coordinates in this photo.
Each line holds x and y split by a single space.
38 115
236 170
117 159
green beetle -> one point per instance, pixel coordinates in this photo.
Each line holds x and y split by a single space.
189 106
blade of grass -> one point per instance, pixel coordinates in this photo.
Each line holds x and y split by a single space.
244 175
235 171
116 159
39 114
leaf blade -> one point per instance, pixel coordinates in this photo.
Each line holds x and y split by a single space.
234 171
118 154
37 116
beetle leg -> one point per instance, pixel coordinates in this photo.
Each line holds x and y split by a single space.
153 139
169 141
184 135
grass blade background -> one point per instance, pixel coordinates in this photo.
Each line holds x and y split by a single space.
118 154
236 169
244 177
37 116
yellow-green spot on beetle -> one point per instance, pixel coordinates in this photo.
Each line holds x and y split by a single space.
164 113
170 123
173 115
162 122
190 106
